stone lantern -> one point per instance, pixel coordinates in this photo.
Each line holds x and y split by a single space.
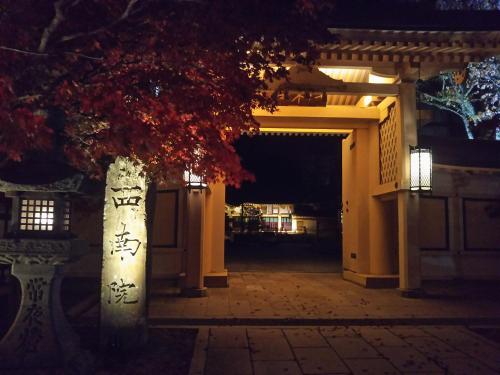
37 244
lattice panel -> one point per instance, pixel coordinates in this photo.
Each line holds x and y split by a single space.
388 144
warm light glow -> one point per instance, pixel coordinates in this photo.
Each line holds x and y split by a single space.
194 181
304 130
346 74
36 215
420 169
380 79
376 79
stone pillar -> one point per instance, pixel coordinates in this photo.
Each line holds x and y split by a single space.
40 336
123 282
408 203
195 218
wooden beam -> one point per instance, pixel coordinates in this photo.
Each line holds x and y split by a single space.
334 111
314 125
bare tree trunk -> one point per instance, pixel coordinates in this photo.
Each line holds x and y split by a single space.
123 282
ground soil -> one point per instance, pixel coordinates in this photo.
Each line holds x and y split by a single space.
168 351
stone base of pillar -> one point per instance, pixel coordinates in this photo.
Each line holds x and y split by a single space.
194 292
412 293
371 281
40 336
216 280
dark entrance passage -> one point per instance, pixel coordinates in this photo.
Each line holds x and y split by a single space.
289 219
282 257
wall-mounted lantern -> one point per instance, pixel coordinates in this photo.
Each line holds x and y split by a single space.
194 181
420 169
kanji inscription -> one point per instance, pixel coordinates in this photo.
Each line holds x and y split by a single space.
124 253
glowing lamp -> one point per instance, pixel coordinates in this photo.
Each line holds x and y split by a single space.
420 169
194 181
35 215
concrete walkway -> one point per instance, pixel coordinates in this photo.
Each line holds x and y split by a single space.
343 350
324 298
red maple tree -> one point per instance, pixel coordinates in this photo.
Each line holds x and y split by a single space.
169 83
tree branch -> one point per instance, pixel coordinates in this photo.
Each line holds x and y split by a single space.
23 51
58 18
123 16
38 54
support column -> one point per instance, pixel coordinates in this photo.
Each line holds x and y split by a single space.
408 203
409 251
193 283
216 275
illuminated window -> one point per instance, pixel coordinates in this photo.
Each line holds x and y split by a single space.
37 215
271 223
286 224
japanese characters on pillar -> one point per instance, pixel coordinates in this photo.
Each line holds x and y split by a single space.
123 321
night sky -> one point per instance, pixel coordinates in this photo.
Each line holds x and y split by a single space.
290 169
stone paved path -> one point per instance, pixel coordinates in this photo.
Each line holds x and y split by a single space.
362 350
278 295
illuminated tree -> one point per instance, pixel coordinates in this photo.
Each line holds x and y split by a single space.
473 95
158 87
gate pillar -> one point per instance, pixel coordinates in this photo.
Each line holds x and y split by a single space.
408 203
215 273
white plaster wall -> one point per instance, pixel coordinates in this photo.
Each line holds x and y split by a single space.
456 262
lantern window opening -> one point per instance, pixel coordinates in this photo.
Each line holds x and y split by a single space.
194 181
36 215
420 169
67 216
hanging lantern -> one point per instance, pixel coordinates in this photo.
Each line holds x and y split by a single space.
194 181
420 169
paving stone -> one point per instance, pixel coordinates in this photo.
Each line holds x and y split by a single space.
240 307
352 347
323 295
269 344
464 366
484 352
198 360
276 368
228 362
228 337
305 338
408 359
433 347
456 336
319 361
338 331
372 366
380 337
408 331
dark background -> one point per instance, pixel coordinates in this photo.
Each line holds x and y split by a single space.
291 169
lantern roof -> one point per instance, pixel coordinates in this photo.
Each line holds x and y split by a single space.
40 175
